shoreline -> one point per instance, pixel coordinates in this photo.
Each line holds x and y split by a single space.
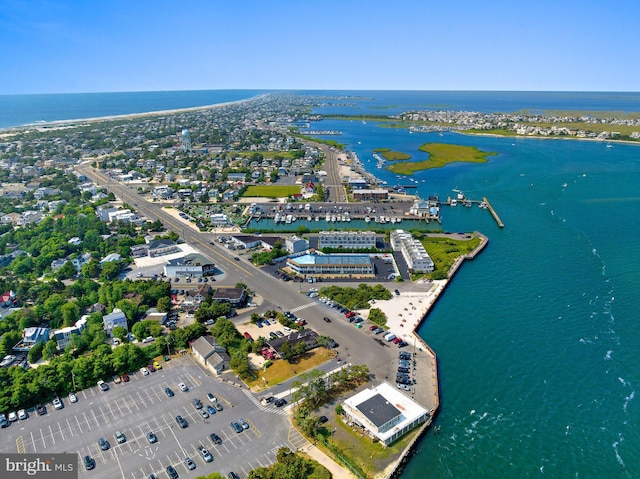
126 116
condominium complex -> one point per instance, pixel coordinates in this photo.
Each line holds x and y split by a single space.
412 251
347 239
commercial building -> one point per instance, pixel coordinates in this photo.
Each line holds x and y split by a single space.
233 296
192 265
293 244
364 195
412 251
347 239
384 412
210 354
332 265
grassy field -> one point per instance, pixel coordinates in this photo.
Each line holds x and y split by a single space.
282 370
444 251
441 154
391 155
271 191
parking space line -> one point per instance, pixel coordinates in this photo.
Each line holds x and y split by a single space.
70 428
51 432
86 420
61 432
78 424
95 418
44 444
111 411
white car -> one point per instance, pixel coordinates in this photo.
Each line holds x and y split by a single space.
203 413
73 397
144 371
57 404
183 387
22 414
12 417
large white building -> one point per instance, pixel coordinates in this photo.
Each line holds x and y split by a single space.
333 265
347 239
412 251
385 413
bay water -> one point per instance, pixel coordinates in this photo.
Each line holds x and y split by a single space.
537 338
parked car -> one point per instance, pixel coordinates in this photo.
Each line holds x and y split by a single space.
41 409
402 344
327 319
406 387
243 423
121 438
104 444
22 414
57 404
189 463
197 403
103 386
171 472
403 370
215 438
116 379
210 409
233 475
182 422
73 397
168 392
280 402
144 371
89 463
125 378
13 417
204 413
151 368
206 455
152 438
404 355
183 387
237 427
323 419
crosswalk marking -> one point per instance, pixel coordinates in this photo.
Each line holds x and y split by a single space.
259 405
304 306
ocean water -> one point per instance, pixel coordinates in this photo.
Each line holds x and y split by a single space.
16 110
537 339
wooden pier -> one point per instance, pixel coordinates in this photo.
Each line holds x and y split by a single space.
493 212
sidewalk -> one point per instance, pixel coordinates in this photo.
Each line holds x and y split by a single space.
337 472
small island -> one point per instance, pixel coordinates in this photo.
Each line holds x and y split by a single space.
440 154
390 155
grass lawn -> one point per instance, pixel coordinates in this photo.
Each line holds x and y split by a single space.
360 450
441 154
281 370
271 191
444 251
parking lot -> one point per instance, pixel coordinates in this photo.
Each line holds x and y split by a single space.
140 406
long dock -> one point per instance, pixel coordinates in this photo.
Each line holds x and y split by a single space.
493 212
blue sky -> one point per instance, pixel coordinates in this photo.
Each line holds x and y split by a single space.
139 45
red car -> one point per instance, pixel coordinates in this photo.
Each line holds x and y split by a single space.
125 378
348 314
372 327
396 340
151 368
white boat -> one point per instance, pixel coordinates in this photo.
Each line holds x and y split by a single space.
309 218
276 218
333 218
287 220
327 218
317 219
454 202
393 220
399 220
483 205
293 218
367 219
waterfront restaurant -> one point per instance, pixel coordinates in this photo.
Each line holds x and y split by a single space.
384 412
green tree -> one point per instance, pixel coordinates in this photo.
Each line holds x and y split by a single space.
164 304
35 353
119 332
50 349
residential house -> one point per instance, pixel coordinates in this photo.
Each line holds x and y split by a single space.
115 318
